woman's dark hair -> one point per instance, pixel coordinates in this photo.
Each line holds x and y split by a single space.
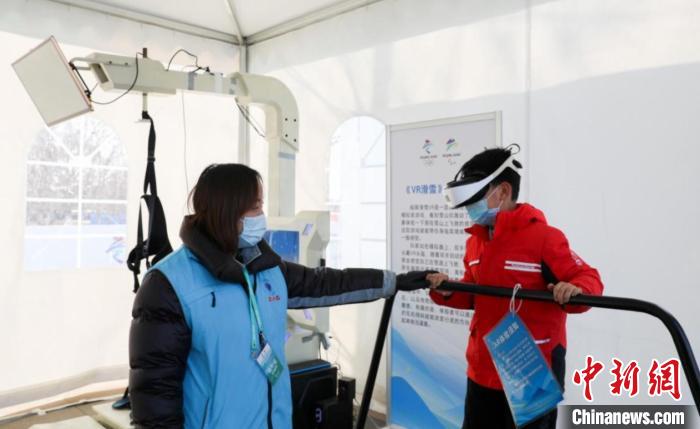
223 193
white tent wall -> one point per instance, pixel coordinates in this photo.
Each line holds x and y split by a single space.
614 135
600 95
64 329
408 70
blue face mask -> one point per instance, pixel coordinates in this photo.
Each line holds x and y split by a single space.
481 214
254 229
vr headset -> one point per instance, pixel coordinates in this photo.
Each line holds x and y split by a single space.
460 191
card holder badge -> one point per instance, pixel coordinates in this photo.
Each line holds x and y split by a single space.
260 349
269 363
529 384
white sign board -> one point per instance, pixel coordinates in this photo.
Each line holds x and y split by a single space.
427 383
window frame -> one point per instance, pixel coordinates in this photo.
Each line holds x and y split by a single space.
83 164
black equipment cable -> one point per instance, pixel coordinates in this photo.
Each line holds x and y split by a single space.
196 59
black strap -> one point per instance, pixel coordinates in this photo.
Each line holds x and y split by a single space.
548 275
149 181
150 178
156 243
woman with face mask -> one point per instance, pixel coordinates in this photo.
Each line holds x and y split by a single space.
209 321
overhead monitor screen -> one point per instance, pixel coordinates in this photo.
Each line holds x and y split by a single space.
51 84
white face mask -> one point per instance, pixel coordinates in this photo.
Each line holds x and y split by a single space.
254 229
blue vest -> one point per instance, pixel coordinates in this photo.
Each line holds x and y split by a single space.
224 387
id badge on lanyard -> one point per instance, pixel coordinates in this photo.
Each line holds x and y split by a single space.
260 349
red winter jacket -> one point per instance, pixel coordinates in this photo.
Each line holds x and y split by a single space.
521 247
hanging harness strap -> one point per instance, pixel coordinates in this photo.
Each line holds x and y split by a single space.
156 243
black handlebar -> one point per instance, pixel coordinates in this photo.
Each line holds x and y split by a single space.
680 340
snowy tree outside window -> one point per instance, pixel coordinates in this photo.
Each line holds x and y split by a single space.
76 197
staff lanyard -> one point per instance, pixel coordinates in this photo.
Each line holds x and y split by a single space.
256 326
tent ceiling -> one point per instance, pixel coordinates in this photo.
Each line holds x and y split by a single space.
211 14
253 16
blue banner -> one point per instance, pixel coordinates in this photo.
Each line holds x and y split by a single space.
428 380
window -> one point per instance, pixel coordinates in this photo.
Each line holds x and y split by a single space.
357 194
76 197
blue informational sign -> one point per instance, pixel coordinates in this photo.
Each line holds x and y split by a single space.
284 243
527 380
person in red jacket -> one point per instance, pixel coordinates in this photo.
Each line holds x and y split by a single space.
509 244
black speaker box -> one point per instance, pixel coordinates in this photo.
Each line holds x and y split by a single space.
312 382
333 414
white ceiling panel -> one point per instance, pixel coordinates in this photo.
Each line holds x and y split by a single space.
258 15
253 15
211 14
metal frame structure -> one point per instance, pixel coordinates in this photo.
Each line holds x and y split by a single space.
235 38
157 21
680 340
115 72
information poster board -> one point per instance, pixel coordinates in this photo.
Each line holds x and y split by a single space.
427 364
